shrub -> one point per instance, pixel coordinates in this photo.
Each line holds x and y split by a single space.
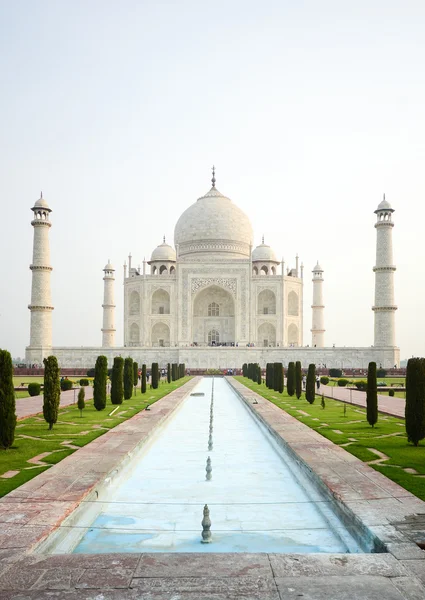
342 382
143 380
335 372
84 382
390 392
298 379
34 389
361 385
310 388
128 378
66 384
52 390
7 401
117 391
81 404
155 375
99 383
371 395
91 373
415 400
290 379
381 372
324 379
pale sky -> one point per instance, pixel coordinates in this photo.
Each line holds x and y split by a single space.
310 110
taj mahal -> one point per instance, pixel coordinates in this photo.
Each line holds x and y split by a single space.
213 300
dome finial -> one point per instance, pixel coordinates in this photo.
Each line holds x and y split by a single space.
163 240
213 176
262 239
41 195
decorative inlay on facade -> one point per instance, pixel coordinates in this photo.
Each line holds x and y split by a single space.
201 282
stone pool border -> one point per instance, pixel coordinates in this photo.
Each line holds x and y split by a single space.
30 513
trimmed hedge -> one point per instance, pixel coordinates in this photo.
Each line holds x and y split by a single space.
335 372
34 389
324 379
342 382
66 384
84 382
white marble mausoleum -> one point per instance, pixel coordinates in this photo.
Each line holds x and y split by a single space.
213 300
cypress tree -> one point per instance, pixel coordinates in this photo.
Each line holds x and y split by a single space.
298 379
135 373
99 383
244 369
260 381
117 390
52 390
168 373
81 404
7 401
174 371
371 395
271 376
281 378
290 379
143 381
415 400
310 386
155 375
128 378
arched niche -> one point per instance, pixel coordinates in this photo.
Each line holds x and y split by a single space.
255 271
172 270
293 304
163 270
264 270
213 309
266 303
134 333
266 335
160 302
292 335
134 303
160 335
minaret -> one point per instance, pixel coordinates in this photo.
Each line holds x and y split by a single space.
384 308
41 304
318 309
108 329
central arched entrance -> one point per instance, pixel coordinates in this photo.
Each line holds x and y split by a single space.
213 317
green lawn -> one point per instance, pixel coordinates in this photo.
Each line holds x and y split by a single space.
331 420
76 430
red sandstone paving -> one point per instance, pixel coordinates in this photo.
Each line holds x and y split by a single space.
386 404
28 407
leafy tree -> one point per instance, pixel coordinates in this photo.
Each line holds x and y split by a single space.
415 400
81 404
298 379
290 379
310 387
52 390
135 373
169 373
7 401
155 375
117 390
371 395
143 380
99 383
128 378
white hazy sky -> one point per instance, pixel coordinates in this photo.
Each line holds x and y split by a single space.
310 110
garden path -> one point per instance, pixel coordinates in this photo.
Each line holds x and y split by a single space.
27 407
386 404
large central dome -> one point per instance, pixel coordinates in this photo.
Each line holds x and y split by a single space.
213 225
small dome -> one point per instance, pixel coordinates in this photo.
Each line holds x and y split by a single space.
109 267
263 253
163 252
41 203
317 268
384 205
